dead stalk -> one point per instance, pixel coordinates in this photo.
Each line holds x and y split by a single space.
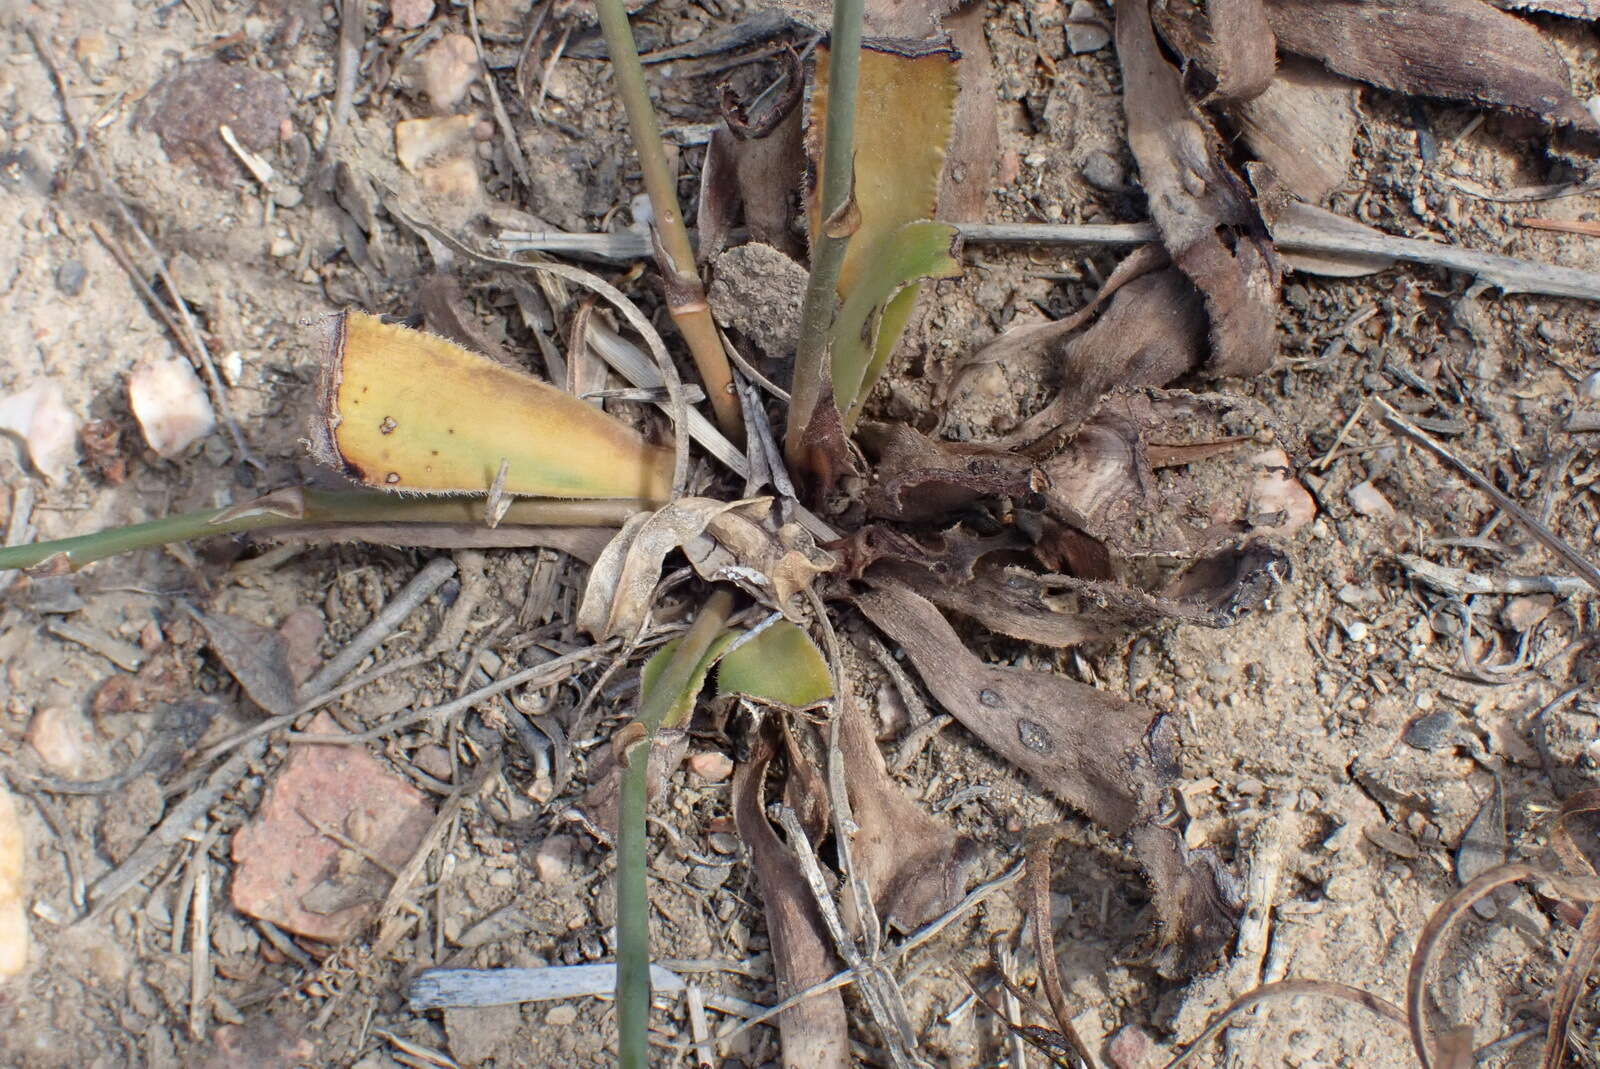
686 296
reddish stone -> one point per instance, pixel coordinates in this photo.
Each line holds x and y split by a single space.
280 857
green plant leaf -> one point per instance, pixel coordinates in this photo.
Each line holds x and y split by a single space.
780 665
877 307
905 113
682 703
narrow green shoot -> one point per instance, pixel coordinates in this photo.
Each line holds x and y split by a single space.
661 704
301 508
832 238
686 296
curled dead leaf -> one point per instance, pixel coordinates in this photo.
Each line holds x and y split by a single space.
1104 756
1203 210
617 597
815 1031
1422 47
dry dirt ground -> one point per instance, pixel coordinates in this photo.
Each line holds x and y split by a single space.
1336 740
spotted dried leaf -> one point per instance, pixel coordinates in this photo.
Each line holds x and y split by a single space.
1107 757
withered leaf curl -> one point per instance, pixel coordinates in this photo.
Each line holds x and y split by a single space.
1203 210
1460 49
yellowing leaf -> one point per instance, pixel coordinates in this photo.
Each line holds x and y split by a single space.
405 410
879 305
781 665
904 116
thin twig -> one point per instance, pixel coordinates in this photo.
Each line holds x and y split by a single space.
179 821
405 601
1546 537
501 117
1508 273
540 675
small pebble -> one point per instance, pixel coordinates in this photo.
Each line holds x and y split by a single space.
561 1016
709 877
1434 731
553 860
70 277
1589 388
64 740
711 766
1086 29
1369 501
410 14
1102 171
434 760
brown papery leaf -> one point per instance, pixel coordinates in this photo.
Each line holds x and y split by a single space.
974 150
1152 333
1104 756
1460 49
255 656
1041 343
1082 745
814 1032
769 160
622 581
918 478
1230 40
914 862
1203 210
1303 127
718 201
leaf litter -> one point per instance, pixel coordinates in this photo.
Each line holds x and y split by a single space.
1067 487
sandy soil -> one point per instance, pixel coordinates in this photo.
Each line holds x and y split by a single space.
1335 742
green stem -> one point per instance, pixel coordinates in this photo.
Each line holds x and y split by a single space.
633 903
686 296
299 508
827 254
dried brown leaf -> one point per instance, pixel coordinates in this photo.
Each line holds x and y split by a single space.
621 583
1230 40
769 161
445 312
1459 49
1303 126
1040 343
718 202
256 656
915 863
1203 210
1082 745
975 137
917 478
814 1032
1152 333
1105 756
